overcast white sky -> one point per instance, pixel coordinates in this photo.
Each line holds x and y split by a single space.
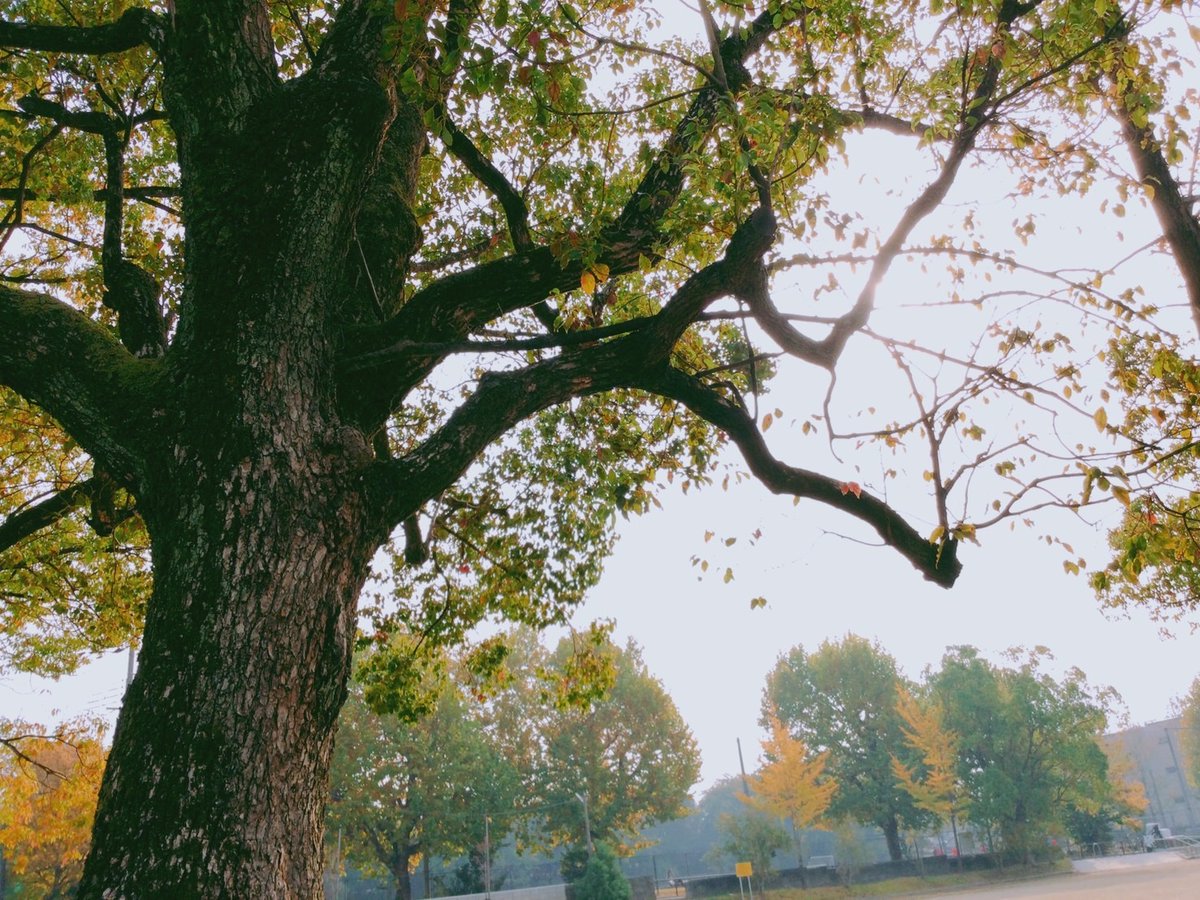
712 651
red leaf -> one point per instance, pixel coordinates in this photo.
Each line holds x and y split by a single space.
850 487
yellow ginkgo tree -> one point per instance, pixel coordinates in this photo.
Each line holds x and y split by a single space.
48 789
934 784
793 783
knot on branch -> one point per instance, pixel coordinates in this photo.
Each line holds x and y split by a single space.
132 293
753 237
946 565
737 76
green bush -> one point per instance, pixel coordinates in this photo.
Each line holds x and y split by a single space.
602 879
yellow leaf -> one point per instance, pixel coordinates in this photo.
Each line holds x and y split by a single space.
728 576
1100 417
1121 494
936 534
767 420
587 281
600 270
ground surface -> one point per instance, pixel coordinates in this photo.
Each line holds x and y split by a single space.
1144 876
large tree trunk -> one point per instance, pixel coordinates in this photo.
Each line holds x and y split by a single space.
891 831
254 497
399 865
217 781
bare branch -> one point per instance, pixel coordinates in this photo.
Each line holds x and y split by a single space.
515 211
1179 223
972 119
937 562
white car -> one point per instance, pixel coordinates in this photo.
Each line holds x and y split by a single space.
1154 835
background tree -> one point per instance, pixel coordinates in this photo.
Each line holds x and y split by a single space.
934 781
792 783
841 700
627 753
48 788
602 878
1028 749
404 791
754 838
273 384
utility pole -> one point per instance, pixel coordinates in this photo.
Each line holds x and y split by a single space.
587 825
487 856
742 764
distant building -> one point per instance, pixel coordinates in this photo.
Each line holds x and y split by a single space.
1158 761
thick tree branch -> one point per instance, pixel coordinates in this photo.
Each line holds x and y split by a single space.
219 63
972 118
142 192
516 213
937 562
504 399
136 27
456 305
89 121
1179 223
77 371
33 518
739 272
129 290
881 121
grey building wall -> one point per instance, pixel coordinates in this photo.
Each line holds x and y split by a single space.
1158 761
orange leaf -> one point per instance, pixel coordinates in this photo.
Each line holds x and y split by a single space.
850 487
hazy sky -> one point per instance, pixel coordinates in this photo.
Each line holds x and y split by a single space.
701 637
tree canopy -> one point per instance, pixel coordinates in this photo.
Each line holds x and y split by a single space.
286 281
618 762
1029 751
48 787
840 700
403 792
934 782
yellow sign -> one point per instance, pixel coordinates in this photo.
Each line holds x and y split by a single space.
743 870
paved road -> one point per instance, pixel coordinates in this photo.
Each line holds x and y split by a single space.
1144 876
